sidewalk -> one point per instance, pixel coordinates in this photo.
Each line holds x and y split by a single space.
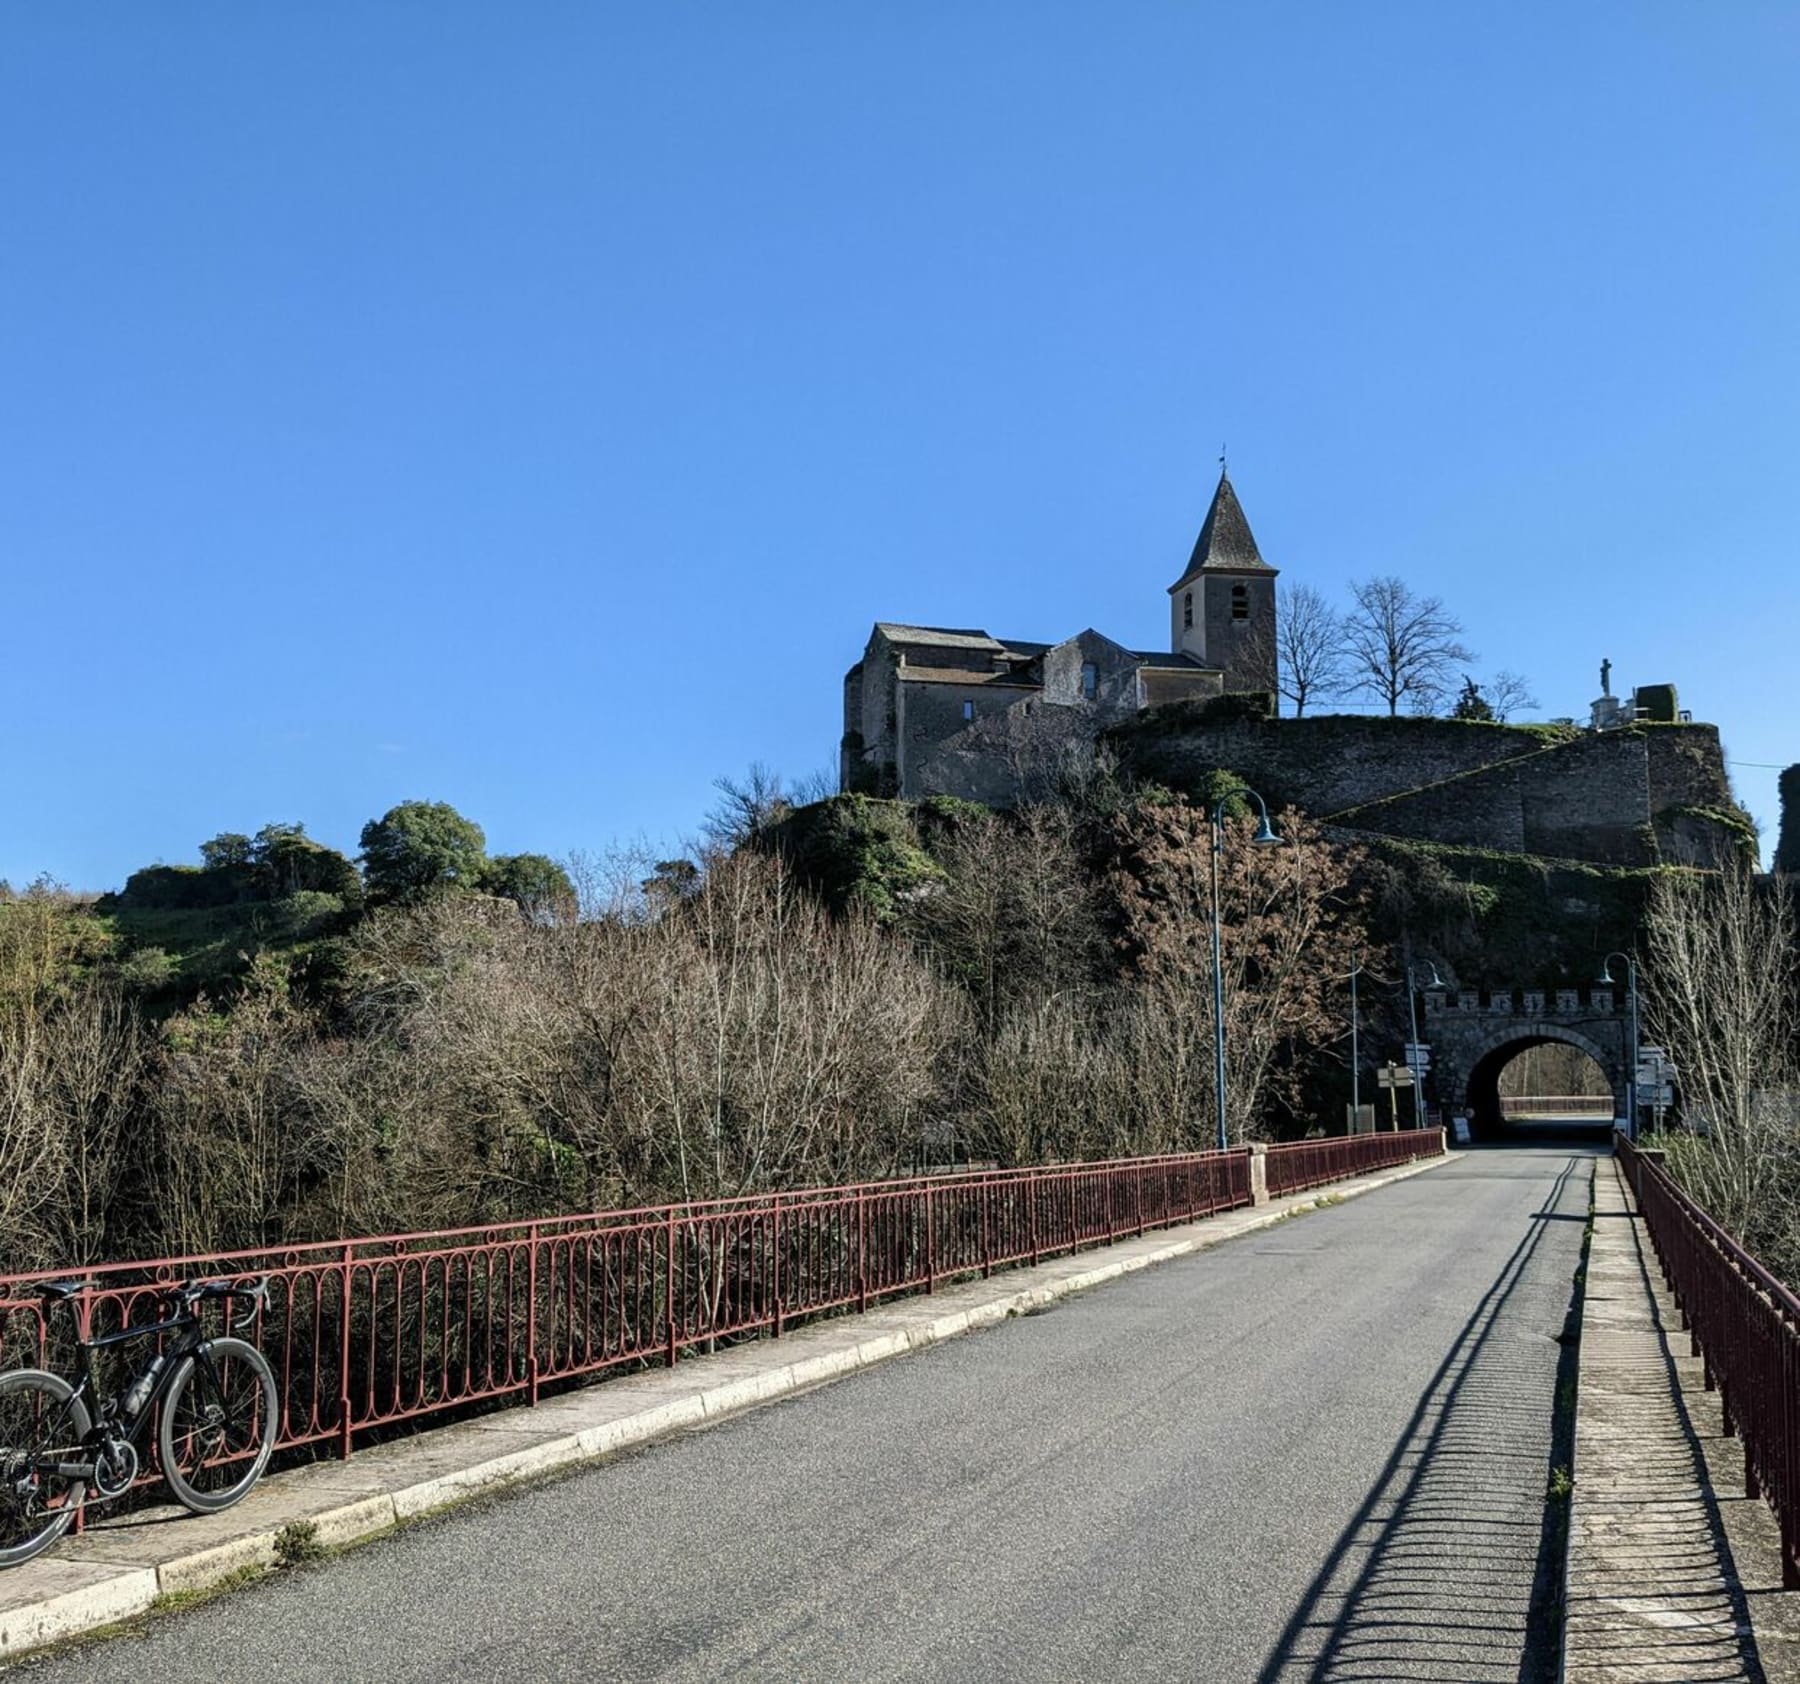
120 1567
1673 1574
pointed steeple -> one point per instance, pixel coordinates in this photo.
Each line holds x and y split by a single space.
1225 543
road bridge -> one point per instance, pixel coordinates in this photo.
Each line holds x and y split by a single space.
1317 1453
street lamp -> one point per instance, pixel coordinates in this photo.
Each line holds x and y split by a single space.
1355 1052
1265 837
1412 1009
1631 1083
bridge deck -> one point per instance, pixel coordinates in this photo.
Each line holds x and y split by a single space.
1316 1453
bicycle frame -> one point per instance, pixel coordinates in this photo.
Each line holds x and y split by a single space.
108 1414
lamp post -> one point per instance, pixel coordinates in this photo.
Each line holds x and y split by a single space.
1412 1011
1265 837
1631 1084
1355 1052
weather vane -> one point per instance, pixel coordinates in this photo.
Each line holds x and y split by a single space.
1221 458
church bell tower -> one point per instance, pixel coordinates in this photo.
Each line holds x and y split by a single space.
1222 609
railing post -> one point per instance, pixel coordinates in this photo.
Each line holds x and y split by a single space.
669 1283
862 1250
987 1250
930 1242
1137 1184
1033 1187
531 1315
344 1354
776 1270
1259 1173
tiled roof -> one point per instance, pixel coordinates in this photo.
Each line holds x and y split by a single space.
943 637
1225 539
1153 658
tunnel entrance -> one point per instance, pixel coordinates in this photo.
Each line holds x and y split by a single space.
1540 1087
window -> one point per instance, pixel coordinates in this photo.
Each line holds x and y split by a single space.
968 709
1240 602
1187 612
1090 679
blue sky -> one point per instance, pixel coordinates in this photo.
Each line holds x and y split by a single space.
531 406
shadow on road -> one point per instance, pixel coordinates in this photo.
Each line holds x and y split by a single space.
1450 1569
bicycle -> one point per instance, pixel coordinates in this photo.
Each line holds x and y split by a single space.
217 1423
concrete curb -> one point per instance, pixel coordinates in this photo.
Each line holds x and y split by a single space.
121 1568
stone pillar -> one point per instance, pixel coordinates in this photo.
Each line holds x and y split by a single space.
1259 1174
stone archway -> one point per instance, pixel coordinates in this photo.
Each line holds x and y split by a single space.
1474 1035
1480 1100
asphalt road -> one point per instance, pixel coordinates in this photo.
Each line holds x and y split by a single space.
1315 1453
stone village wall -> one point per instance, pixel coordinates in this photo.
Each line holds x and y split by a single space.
1603 798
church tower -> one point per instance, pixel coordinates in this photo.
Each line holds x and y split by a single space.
1222 609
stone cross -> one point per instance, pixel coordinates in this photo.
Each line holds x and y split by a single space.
1606 678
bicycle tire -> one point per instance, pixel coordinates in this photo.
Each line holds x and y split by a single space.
56 1500
228 1436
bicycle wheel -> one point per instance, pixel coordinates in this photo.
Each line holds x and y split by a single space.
220 1418
40 1419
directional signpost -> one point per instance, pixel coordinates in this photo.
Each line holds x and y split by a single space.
1394 1077
1656 1075
1418 1061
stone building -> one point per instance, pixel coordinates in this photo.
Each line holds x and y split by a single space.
935 710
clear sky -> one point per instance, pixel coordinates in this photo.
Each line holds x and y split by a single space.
530 406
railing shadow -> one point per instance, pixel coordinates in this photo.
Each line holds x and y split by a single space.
1450 1568
1688 1564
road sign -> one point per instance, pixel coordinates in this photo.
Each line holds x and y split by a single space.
1359 1119
1654 1069
1394 1076
1460 1128
1419 1053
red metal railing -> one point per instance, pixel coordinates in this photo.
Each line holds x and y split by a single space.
1311 1163
368 1333
1558 1105
1744 1324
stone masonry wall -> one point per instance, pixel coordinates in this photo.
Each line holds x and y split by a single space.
1588 797
931 714
1687 767
1787 849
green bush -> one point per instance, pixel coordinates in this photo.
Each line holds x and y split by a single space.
858 850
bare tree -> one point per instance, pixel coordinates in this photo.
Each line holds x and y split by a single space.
1723 995
1309 647
1289 926
745 809
1401 647
1016 917
1509 693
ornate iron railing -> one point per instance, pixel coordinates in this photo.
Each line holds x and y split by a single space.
372 1333
1744 1325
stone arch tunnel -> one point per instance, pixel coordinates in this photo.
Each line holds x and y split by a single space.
1475 1035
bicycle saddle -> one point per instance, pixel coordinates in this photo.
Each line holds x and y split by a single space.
64 1289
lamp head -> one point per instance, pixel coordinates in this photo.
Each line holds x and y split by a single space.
1435 981
1265 836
